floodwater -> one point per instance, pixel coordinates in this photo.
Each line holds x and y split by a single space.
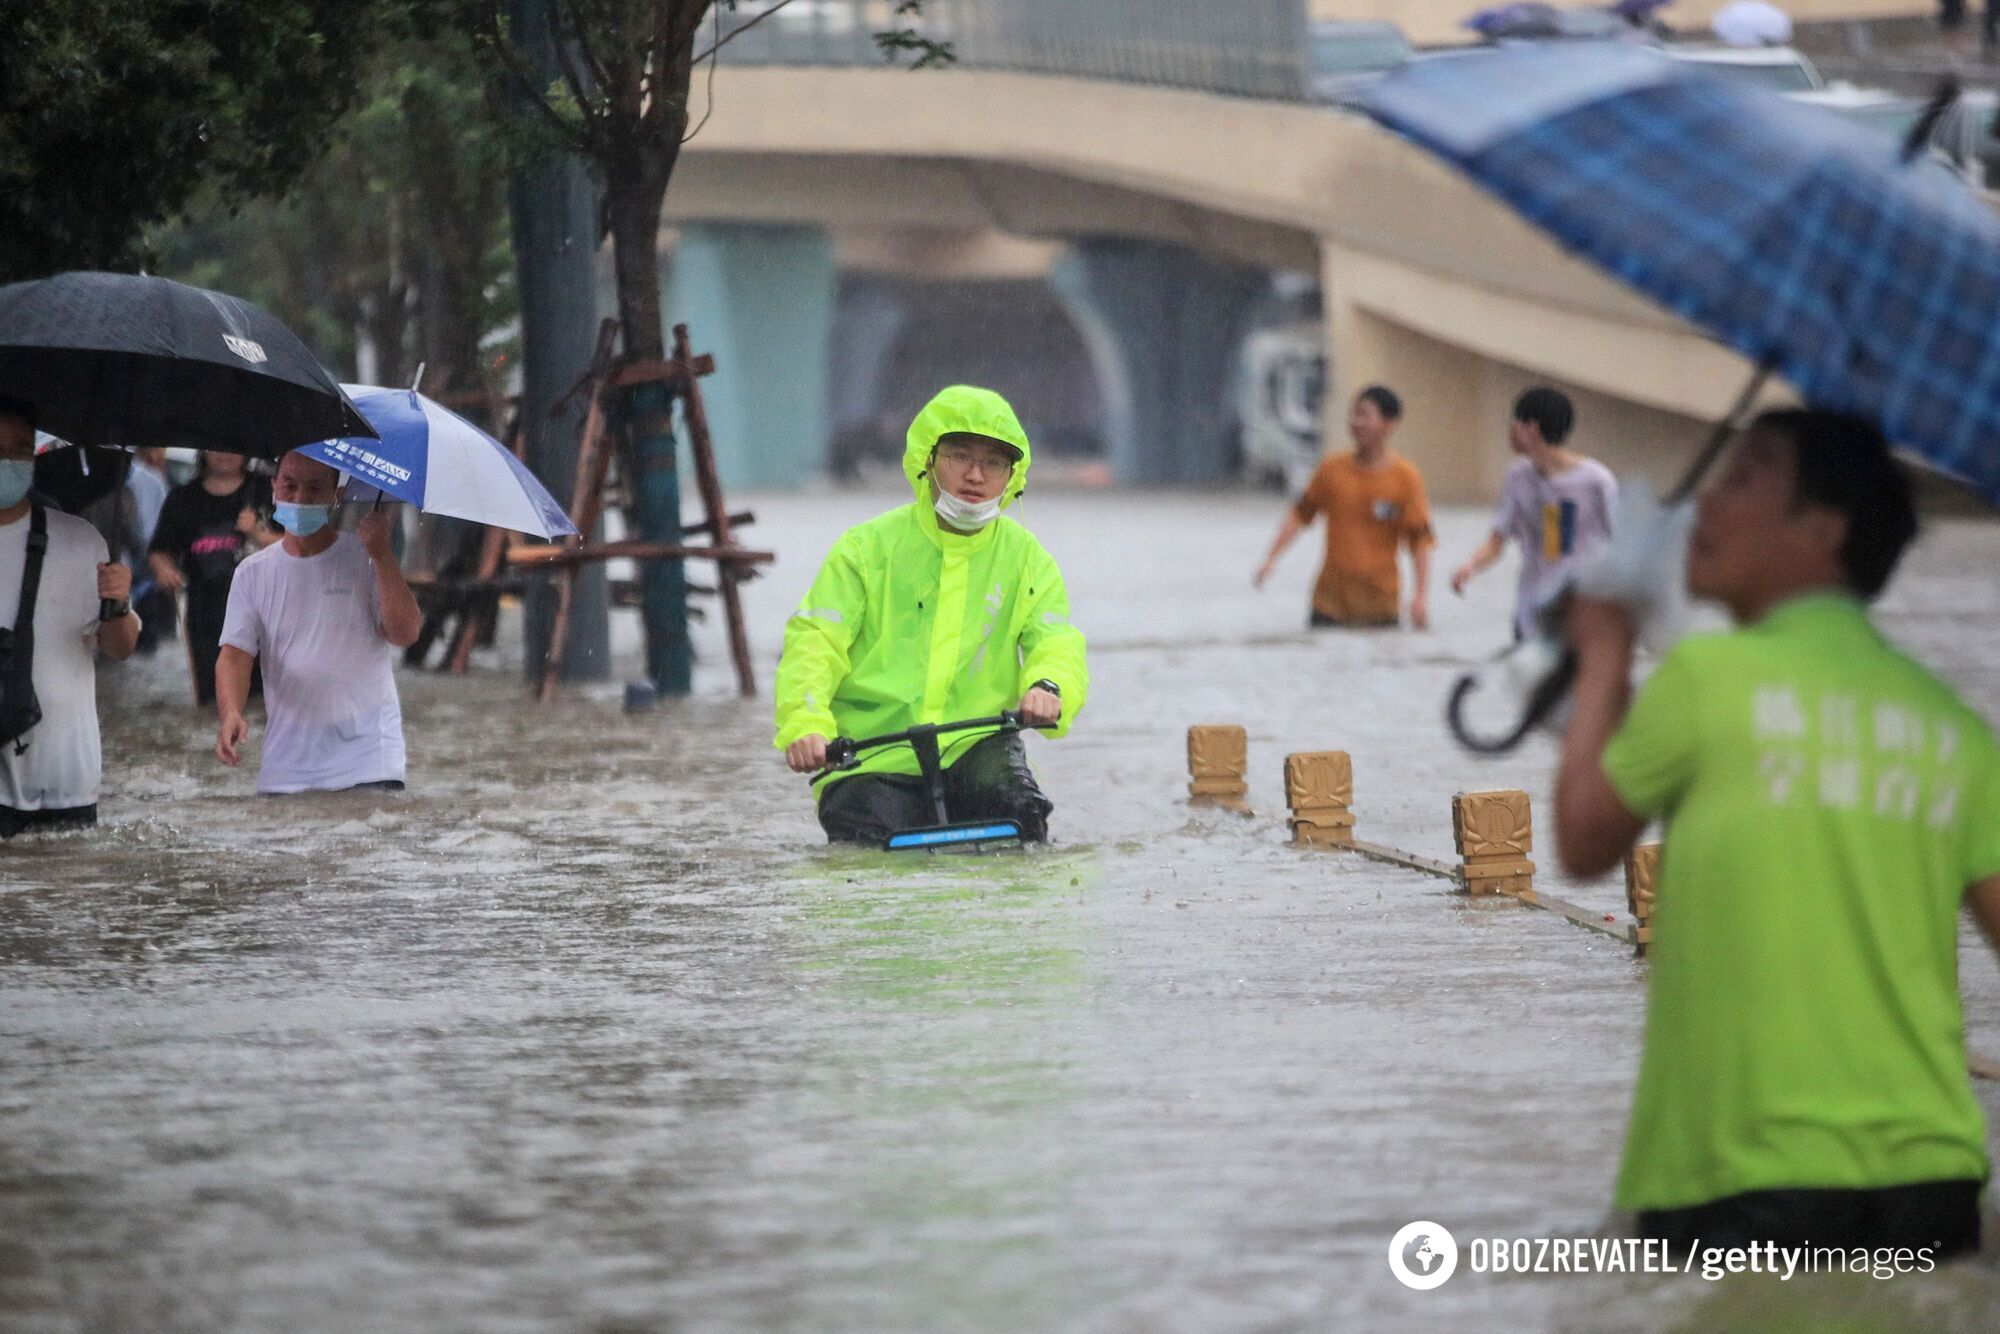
590 1032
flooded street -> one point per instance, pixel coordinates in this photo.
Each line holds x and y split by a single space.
589 1031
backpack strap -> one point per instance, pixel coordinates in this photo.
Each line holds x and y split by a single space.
19 710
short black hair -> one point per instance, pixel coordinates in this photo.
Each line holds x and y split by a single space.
18 407
1385 400
1548 410
1843 461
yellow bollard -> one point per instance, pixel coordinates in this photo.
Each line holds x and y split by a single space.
1494 832
1319 789
1642 877
1218 757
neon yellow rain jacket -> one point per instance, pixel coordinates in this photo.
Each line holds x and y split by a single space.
909 623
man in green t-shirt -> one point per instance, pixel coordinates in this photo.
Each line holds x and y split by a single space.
1829 807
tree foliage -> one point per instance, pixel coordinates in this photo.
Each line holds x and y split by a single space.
609 80
396 238
115 113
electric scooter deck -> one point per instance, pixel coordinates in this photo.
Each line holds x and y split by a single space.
843 753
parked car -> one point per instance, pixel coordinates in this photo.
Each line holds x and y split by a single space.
1892 115
1782 69
1964 138
1343 56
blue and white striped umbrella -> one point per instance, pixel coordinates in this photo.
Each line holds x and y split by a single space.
1800 239
441 463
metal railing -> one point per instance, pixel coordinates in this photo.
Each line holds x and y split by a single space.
1249 48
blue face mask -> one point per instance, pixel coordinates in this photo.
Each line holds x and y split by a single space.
301 520
16 476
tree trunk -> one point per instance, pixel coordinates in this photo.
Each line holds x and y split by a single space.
633 209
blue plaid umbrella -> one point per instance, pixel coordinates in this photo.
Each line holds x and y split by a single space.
1799 239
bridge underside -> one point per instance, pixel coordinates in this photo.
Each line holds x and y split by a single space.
1428 284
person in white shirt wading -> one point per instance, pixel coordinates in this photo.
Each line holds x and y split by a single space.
55 576
326 611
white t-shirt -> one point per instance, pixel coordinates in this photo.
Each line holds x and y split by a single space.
63 762
333 718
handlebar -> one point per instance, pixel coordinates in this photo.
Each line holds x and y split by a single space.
843 753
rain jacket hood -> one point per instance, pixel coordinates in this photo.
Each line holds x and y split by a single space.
909 622
962 409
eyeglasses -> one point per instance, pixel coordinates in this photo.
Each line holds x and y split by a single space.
990 461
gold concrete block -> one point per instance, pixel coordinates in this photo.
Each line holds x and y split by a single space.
1218 759
1218 752
1217 787
1487 824
1509 878
1494 832
1642 878
1323 830
1319 778
1319 788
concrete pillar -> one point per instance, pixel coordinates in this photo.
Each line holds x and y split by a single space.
871 319
1164 327
761 299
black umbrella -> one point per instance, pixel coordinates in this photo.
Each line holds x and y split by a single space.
120 359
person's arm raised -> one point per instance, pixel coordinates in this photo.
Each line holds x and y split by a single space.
1594 829
1984 899
402 620
117 637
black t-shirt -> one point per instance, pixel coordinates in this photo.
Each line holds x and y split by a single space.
198 532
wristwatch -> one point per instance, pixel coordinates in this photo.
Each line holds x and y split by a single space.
108 610
1048 685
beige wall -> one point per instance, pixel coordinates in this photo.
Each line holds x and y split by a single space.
1430 21
1457 402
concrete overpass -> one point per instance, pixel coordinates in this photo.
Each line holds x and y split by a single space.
1429 285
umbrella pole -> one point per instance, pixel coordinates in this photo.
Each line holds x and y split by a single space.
1725 431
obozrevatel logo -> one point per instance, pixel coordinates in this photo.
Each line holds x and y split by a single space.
251 352
1422 1255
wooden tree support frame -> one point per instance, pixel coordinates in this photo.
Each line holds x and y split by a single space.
601 440
493 546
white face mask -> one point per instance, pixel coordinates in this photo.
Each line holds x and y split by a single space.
963 514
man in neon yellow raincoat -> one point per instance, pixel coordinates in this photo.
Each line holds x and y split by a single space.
934 612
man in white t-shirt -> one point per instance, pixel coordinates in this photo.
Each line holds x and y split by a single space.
1555 503
50 767
326 612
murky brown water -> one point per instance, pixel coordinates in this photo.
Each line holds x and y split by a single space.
589 1032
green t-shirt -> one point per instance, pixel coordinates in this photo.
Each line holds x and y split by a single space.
1827 803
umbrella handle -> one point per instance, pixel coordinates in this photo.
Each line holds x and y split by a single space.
1550 668
1725 431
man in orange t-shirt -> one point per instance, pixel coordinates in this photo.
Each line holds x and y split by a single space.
1374 501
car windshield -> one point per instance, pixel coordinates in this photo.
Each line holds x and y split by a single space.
1791 78
1359 51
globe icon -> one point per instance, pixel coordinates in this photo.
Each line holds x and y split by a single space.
1421 1254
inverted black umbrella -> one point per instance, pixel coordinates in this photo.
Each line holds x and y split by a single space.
121 359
